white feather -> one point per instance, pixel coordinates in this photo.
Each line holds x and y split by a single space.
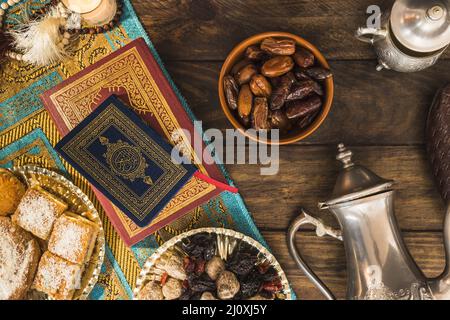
40 41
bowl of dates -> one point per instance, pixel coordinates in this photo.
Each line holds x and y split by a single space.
276 80
212 264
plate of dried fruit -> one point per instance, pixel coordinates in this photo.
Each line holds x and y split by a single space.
212 264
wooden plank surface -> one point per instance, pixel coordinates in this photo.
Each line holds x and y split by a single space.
327 258
370 108
380 115
307 176
209 29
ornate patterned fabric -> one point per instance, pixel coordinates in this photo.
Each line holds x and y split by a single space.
28 135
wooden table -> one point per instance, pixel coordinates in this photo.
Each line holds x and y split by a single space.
380 115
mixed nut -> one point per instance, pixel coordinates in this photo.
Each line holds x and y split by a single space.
196 272
277 85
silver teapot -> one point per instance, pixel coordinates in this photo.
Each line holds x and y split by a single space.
412 35
379 266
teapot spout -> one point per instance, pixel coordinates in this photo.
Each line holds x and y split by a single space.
440 287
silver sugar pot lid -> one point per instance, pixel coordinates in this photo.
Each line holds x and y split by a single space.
421 25
354 181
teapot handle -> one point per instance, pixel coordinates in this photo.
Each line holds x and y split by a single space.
321 230
370 35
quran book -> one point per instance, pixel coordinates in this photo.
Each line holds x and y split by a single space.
135 76
125 160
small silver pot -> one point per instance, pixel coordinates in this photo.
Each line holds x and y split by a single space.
412 36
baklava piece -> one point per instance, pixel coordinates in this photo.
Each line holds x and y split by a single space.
73 238
19 258
38 211
56 277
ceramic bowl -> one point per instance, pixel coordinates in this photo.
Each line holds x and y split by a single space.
295 134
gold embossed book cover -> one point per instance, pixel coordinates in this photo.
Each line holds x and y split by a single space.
126 160
133 73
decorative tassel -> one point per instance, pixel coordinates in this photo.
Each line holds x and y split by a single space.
41 42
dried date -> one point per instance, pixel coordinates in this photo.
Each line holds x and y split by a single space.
319 73
303 89
301 108
281 47
245 101
245 74
245 121
300 74
255 53
306 121
281 92
238 66
279 120
304 58
260 86
260 114
277 66
231 92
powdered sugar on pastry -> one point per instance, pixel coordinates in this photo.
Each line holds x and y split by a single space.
57 277
69 240
73 238
37 212
19 254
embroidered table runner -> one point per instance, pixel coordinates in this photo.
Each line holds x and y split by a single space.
28 135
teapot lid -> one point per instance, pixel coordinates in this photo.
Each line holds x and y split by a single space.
354 181
421 25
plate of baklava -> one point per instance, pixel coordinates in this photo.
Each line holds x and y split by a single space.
52 242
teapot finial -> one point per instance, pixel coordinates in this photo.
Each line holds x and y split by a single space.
345 156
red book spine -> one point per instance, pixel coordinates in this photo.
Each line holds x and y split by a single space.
211 172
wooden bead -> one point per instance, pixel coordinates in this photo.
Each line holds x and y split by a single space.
17 1
4 6
10 3
2 12
66 35
65 41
